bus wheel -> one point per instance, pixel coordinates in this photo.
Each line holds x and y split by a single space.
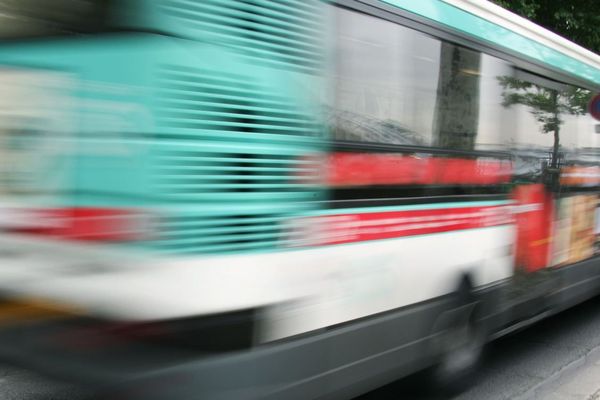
460 349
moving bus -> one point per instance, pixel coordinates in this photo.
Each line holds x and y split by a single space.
242 199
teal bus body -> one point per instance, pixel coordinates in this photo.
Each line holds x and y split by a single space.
140 139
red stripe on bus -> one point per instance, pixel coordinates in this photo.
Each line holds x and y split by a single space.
347 228
84 223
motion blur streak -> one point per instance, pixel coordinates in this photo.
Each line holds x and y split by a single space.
285 199
12 311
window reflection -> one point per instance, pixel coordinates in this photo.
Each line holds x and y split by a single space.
457 107
385 83
394 85
554 110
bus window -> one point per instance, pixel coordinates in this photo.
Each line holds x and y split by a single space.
385 83
497 128
552 121
577 126
394 85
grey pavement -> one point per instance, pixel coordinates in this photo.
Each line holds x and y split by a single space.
582 382
17 384
525 365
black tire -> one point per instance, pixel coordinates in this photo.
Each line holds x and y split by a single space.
459 346
460 357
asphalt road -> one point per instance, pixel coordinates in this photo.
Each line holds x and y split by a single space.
525 365
16 384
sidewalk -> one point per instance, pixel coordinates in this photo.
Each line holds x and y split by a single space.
579 381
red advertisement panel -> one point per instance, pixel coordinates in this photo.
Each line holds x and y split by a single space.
534 215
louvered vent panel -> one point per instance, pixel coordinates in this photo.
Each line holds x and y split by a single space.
224 141
224 233
237 140
260 189
279 33
199 102
189 173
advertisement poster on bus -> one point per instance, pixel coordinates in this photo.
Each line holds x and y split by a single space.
597 228
576 229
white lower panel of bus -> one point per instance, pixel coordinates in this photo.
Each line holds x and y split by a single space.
302 290
373 277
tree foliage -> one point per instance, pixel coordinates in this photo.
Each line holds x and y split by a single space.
577 20
546 105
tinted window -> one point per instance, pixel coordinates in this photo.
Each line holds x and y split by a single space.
552 119
385 82
394 85
398 86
